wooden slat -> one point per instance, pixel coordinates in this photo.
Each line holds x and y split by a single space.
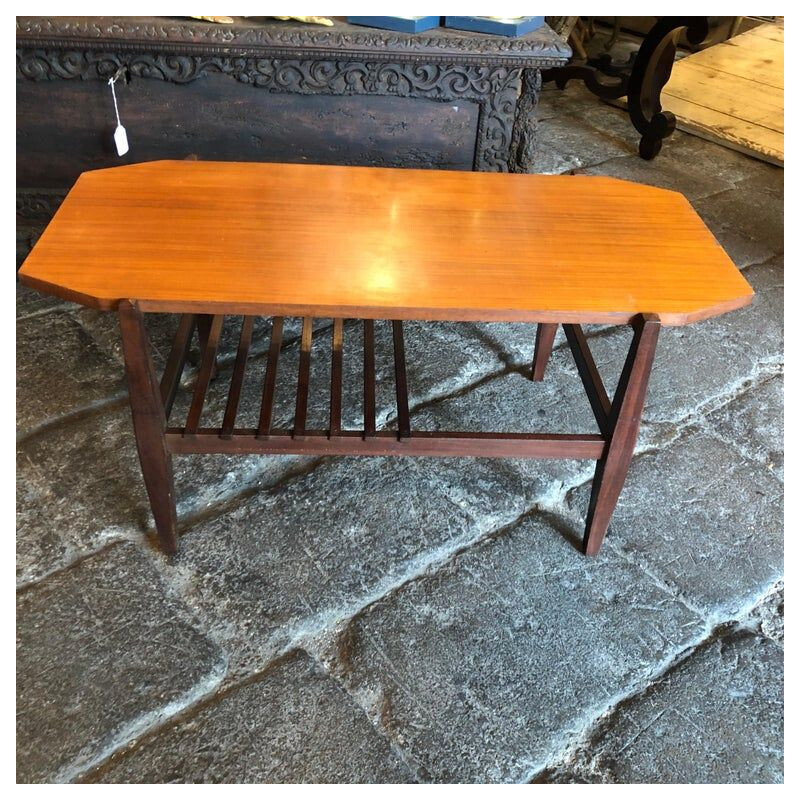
762 65
769 31
336 379
204 376
303 375
203 329
737 97
744 137
237 378
268 395
179 352
384 443
592 382
369 377
401 386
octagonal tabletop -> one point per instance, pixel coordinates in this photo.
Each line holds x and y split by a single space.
256 238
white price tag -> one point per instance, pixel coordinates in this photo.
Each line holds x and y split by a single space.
120 134
121 140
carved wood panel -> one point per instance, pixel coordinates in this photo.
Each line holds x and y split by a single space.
494 89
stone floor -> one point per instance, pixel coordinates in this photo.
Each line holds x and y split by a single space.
426 620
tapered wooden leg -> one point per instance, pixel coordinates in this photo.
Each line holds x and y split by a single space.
626 413
545 333
149 423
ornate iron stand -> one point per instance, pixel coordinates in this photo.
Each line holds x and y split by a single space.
152 401
641 79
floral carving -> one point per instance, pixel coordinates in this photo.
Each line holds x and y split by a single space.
495 89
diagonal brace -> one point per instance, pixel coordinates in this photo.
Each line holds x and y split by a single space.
592 382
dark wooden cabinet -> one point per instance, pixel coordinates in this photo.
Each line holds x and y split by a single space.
263 90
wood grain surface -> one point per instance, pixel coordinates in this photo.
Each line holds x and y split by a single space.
732 93
289 239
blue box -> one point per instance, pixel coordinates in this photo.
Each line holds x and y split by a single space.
514 26
402 24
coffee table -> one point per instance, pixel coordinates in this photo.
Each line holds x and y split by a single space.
207 240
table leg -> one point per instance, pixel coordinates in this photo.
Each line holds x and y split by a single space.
545 333
624 419
149 423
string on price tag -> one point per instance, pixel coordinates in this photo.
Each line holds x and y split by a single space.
120 134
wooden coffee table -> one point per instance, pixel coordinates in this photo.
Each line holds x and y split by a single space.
212 239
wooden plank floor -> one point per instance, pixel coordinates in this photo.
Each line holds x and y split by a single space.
732 93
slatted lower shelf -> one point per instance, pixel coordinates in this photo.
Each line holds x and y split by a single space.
192 438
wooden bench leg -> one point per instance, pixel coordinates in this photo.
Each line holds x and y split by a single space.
545 333
625 416
149 423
